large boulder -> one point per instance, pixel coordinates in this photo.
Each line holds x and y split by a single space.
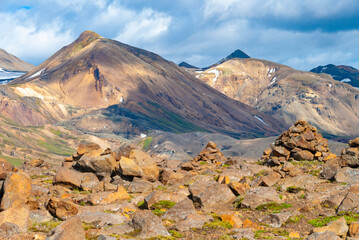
339 227
85 148
5 168
70 229
180 211
18 215
258 196
350 156
148 165
148 224
61 208
17 190
101 165
128 167
68 178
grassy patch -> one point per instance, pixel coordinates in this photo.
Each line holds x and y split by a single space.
147 143
141 204
56 148
272 206
161 188
323 221
175 234
295 219
161 207
44 227
218 224
55 132
294 189
17 162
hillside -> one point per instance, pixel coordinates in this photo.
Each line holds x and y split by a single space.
288 94
11 63
135 90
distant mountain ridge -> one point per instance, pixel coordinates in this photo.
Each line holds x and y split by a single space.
11 63
341 73
186 65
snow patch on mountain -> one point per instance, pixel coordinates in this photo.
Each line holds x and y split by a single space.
216 75
261 120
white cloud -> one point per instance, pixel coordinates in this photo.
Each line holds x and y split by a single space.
145 27
26 40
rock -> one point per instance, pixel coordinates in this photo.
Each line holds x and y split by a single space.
354 143
258 196
101 198
18 215
232 219
243 233
349 204
339 227
330 169
17 190
40 216
302 142
9 229
101 165
102 219
87 148
128 167
210 154
237 188
140 186
193 221
63 209
347 175
90 182
68 178
70 229
35 162
354 229
5 168
180 211
167 176
210 195
276 220
148 224
303 155
268 179
304 182
103 237
323 236
148 165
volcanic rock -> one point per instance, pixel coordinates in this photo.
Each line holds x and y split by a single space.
70 229
350 156
5 168
210 154
301 142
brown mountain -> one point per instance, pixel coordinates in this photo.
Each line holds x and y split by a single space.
135 90
288 94
11 63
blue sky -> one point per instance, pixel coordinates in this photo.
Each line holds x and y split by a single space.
302 34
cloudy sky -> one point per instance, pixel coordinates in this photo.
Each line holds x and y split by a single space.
302 34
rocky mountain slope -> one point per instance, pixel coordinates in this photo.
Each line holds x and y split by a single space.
124 193
11 63
133 90
346 74
288 94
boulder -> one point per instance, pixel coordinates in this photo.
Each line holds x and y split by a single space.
9 229
68 178
349 204
63 209
276 220
339 227
180 211
101 166
5 168
330 169
17 190
18 215
148 224
347 175
354 143
90 182
140 186
40 216
101 198
147 164
323 236
354 230
84 148
70 229
102 219
350 156
193 221
258 196
128 167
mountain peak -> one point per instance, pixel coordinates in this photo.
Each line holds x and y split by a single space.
88 34
237 54
187 65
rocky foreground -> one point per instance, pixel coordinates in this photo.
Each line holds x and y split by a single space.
298 190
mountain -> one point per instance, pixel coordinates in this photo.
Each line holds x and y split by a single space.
288 94
114 86
186 65
341 73
11 63
236 54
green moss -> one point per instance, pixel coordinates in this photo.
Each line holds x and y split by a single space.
161 188
295 219
272 206
217 224
294 189
44 227
17 162
88 226
163 204
141 204
146 144
323 221
175 234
